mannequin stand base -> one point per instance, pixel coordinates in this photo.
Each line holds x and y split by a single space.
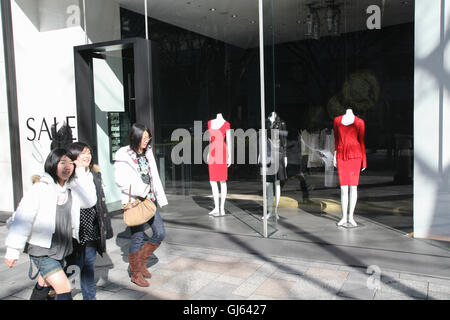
275 217
214 213
217 213
347 225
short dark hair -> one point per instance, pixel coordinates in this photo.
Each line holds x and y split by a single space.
77 147
136 133
51 163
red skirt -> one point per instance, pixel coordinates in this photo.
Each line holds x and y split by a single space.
349 171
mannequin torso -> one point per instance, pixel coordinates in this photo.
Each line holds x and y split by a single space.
348 118
218 173
218 122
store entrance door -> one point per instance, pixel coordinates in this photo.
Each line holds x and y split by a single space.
113 89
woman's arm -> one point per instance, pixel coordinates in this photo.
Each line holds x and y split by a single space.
125 176
21 224
83 185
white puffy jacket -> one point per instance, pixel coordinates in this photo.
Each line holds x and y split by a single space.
127 173
34 219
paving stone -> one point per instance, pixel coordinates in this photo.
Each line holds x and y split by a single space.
181 264
24 294
439 288
326 273
275 288
230 280
358 277
188 282
13 298
291 261
218 290
159 294
322 265
246 289
380 295
113 287
312 289
423 278
356 291
267 269
434 295
242 270
406 287
256 278
103 294
361 270
212 266
127 294
259 297
9 288
285 276
292 269
387 276
220 258
342 298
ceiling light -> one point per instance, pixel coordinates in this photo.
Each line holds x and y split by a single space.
212 9
234 16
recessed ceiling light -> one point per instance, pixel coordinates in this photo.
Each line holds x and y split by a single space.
234 16
253 21
212 9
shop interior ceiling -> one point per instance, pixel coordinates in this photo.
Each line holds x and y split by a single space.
236 21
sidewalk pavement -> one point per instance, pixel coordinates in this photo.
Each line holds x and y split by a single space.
185 272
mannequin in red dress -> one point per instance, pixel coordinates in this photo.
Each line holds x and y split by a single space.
219 160
350 160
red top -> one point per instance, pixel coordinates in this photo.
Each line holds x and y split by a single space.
349 140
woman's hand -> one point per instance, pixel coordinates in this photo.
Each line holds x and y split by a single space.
82 162
10 263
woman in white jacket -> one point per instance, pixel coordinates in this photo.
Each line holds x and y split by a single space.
47 218
135 168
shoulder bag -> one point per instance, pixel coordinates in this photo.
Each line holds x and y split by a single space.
138 212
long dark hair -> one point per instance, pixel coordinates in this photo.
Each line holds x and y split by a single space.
51 163
77 147
136 133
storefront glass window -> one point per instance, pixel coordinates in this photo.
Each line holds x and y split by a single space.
329 57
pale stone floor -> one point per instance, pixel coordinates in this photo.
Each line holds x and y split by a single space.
191 273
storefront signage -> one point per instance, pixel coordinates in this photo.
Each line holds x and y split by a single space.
39 127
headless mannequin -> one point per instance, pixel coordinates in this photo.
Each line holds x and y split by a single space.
347 120
220 211
269 185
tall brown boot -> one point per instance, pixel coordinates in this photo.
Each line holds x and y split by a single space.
135 269
147 250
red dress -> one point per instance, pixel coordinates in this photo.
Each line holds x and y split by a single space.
350 150
217 160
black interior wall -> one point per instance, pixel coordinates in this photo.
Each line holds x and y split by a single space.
196 77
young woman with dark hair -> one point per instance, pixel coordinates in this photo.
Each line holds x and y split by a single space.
135 168
95 222
45 221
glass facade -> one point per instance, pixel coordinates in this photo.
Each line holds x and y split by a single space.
330 56
321 58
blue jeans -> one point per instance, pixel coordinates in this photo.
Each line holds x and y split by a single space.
137 233
85 262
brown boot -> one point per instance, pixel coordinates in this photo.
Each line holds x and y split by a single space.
147 250
135 269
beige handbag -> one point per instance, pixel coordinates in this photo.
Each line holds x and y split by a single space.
138 212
